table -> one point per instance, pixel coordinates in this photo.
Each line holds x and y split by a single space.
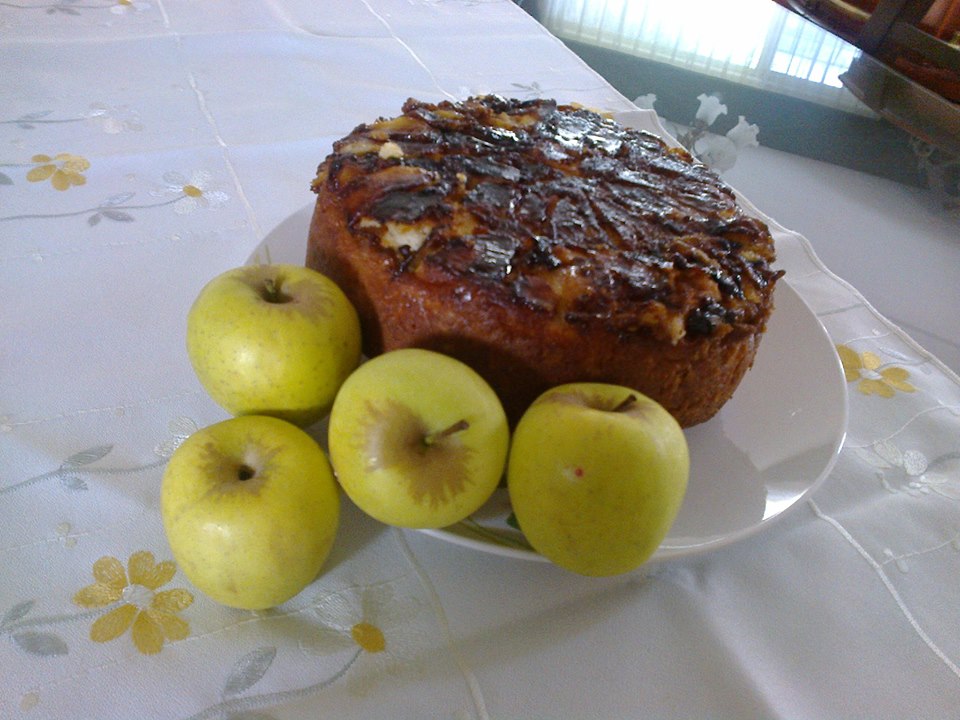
150 144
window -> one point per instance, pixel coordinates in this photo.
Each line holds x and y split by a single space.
752 42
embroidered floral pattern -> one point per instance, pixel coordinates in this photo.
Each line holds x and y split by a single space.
152 615
72 7
182 194
127 6
114 119
25 628
367 619
530 90
80 465
236 703
63 170
111 119
900 560
356 621
872 378
920 474
194 193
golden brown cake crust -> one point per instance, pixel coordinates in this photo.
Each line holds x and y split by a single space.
544 244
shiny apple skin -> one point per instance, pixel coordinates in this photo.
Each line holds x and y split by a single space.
251 509
595 489
378 426
273 340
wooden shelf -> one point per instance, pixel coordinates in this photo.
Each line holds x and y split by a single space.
911 107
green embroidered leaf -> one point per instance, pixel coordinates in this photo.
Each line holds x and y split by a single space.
85 457
16 612
5 179
118 216
248 670
40 643
94 219
73 482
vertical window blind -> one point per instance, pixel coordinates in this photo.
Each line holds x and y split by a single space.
752 42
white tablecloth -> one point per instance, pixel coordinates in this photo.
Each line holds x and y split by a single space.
147 145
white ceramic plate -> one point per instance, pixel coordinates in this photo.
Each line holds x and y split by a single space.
769 447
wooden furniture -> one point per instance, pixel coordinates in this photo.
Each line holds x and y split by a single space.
909 71
920 38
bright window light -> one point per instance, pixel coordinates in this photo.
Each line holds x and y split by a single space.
753 42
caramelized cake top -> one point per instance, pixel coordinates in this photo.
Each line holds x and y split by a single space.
556 208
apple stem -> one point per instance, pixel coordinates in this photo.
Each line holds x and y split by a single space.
272 292
245 472
435 437
626 403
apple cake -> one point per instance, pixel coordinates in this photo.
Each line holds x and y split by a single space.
541 244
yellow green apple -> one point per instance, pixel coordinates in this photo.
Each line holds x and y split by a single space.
417 439
596 476
273 340
250 508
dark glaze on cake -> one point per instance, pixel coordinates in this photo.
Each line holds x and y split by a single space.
554 215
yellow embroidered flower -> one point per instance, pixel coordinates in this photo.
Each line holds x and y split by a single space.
151 614
199 191
873 379
62 171
127 6
378 626
352 619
